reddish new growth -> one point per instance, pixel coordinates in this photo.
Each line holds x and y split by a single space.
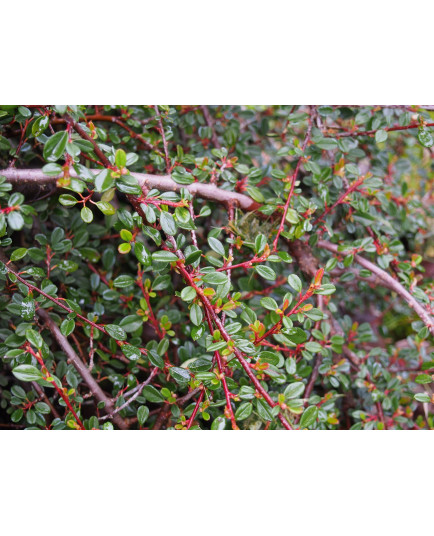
224 177
61 391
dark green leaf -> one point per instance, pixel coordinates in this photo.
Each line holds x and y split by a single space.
67 327
425 137
244 410
116 332
215 278
86 214
142 414
34 338
55 146
309 416
294 390
18 254
152 395
164 256
27 373
28 308
295 282
179 374
266 272
131 352
216 245
196 314
168 224
190 259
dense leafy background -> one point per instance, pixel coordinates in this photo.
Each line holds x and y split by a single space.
351 353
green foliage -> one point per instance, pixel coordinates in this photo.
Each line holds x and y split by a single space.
192 310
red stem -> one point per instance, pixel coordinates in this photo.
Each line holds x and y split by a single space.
245 264
196 408
227 338
272 330
371 132
161 129
293 181
64 397
154 321
342 197
68 309
223 377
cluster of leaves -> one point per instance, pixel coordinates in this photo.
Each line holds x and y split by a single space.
193 313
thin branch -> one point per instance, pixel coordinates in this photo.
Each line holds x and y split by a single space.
56 301
293 181
342 199
120 123
163 135
187 397
91 350
196 409
210 122
311 383
231 215
372 132
244 363
381 414
221 369
193 233
133 397
42 395
84 135
37 355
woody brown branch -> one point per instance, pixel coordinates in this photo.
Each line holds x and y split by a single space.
210 192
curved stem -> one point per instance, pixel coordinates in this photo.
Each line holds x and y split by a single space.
388 282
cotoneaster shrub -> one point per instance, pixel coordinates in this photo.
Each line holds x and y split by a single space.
222 267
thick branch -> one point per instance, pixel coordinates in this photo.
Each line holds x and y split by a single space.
90 381
389 282
164 183
206 191
85 374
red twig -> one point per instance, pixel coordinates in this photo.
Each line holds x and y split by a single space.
293 181
60 391
161 128
210 123
21 143
302 299
103 158
95 271
153 319
223 378
117 121
246 264
372 132
381 414
341 199
196 409
227 338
